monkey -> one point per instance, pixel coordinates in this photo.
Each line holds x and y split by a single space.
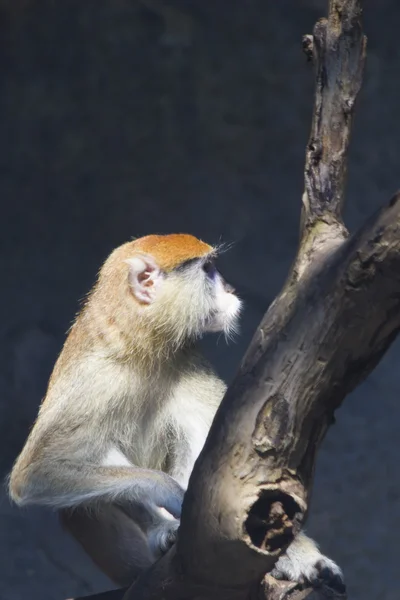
129 405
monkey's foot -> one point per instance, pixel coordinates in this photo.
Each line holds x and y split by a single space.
314 569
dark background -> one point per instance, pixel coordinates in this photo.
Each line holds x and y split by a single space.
124 117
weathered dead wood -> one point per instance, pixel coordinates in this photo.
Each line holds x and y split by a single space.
337 48
249 490
333 321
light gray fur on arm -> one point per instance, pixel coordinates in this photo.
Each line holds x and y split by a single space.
76 483
202 390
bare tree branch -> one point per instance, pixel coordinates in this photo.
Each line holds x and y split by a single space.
338 48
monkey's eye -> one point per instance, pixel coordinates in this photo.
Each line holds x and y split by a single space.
209 268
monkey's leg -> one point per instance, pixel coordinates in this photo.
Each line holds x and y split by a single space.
304 563
115 543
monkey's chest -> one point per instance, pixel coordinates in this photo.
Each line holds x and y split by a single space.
149 442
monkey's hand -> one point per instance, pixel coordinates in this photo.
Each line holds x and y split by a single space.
163 536
304 563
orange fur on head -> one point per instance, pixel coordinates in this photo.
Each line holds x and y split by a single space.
171 250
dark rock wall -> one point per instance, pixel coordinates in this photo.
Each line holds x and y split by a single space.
120 118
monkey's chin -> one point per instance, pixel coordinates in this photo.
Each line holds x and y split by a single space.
216 322
214 327
223 324
226 318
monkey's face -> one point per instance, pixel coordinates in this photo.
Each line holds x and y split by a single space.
198 299
184 302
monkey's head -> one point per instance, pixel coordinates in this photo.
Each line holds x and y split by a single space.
169 289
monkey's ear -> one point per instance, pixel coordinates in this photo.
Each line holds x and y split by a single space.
144 278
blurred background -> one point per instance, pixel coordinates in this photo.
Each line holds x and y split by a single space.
120 118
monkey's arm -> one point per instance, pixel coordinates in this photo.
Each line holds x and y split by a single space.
65 483
63 463
203 390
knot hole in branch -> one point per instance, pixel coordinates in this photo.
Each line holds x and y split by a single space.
273 520
308 46
315 151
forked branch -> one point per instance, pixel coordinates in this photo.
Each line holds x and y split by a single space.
335 318
248 494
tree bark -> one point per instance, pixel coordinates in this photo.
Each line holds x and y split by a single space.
337 314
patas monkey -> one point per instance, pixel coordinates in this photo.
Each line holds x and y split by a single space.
129 405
